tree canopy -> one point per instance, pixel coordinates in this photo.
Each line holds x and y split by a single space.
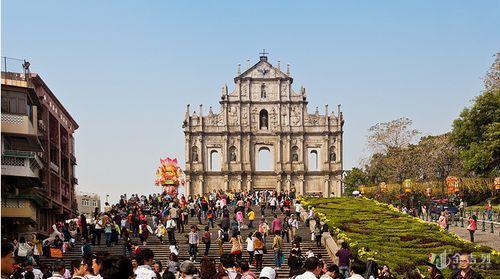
393 134
477 131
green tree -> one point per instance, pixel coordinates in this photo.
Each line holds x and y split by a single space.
477 131
354 178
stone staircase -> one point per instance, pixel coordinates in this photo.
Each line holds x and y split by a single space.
162 252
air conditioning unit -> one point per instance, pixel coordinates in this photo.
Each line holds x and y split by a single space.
41 125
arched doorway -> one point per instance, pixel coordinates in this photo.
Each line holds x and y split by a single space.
264 159
214 161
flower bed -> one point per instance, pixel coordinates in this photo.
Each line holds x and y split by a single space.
380 232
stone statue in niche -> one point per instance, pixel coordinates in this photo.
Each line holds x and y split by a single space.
232 155
333 155
194 154
295 154
264 121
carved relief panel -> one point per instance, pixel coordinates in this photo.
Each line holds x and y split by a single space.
296 115
233 118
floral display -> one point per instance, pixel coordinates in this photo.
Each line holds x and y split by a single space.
169 175
380 232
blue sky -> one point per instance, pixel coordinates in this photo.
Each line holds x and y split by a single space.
126 69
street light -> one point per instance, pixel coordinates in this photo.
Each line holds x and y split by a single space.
439 175
446 171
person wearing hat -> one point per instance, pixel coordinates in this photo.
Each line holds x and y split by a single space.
434 272
188 270
267 273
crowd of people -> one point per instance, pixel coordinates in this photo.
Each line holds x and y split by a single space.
166 218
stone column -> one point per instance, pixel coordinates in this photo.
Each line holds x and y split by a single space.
288 182
278 184
249 183
226 183
239 184
188 186
300 189
201 186
326 189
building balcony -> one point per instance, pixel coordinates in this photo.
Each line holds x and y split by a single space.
21 163
19 208
17 124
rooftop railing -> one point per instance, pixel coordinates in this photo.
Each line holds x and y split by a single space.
14 68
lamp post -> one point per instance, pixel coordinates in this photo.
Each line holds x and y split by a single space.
439 175
446 169
400 181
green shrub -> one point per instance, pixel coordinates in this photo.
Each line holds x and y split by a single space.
378 231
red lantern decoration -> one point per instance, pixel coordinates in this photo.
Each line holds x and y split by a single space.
452 183
362 189
383 187
407 183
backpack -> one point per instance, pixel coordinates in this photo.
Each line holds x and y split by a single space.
225 236
206 237
317 231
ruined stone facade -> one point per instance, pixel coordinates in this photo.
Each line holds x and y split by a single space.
264 138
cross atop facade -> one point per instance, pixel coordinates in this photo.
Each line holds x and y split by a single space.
263 53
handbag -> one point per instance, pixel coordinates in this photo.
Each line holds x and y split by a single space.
56 253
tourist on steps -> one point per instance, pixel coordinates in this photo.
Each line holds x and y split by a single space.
250 248
145 260
345 256
313 268
207 239
259 246
194 241
251 217
246 273
276 225
170 226
278 247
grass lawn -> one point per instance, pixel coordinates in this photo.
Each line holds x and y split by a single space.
378 231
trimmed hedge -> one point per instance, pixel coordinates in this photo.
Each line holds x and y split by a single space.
380 232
